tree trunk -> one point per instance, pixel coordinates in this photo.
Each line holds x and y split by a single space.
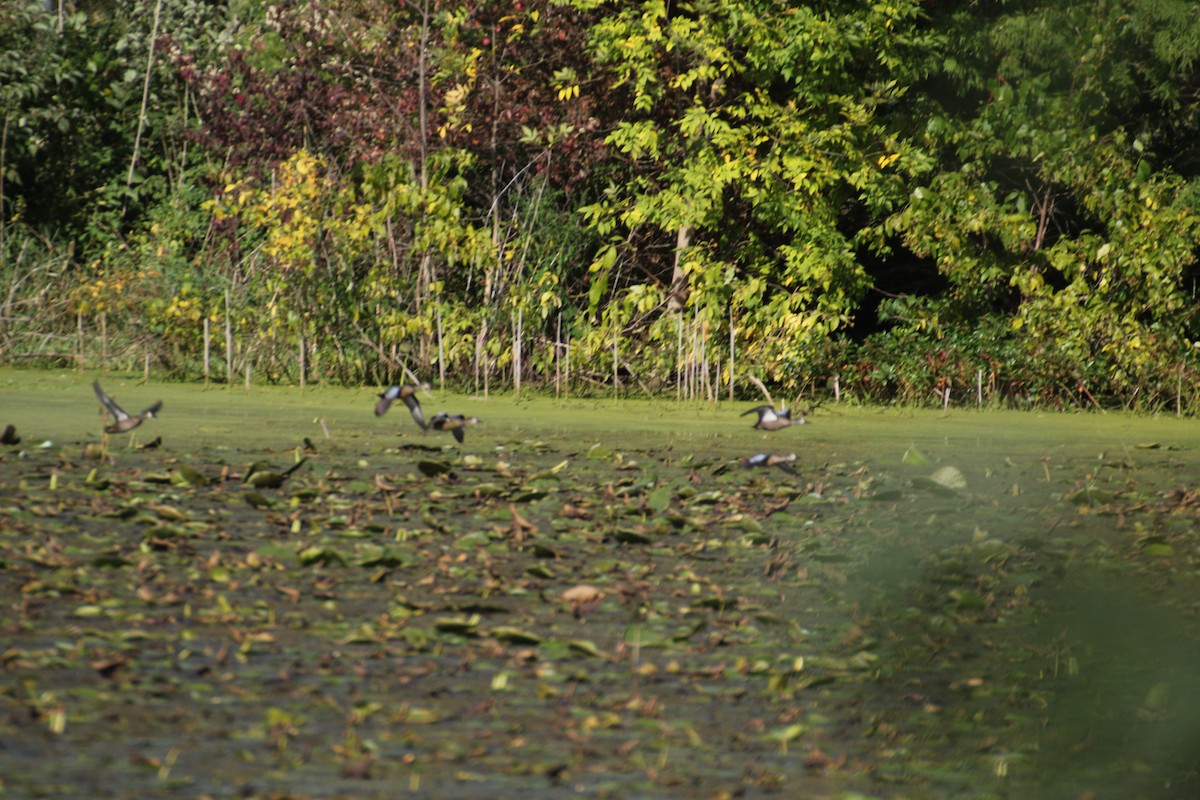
677 295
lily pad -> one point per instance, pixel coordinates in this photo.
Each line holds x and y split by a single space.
505 633
318 556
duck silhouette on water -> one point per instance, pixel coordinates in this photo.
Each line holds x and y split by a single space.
10 435
408 394
122 420
771 420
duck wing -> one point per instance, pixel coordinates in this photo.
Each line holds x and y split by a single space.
762 411
385 400
114 409
414 408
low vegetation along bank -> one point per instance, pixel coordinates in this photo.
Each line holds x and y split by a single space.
590 597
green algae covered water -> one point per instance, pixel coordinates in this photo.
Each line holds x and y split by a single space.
591 598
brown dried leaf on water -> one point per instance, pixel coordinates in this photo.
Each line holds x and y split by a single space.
383 485
360 768
817 761
575 512
292 594
520 526
109 667
582 598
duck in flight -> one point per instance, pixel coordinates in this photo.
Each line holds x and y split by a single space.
452 422
122 420
771 420
408 393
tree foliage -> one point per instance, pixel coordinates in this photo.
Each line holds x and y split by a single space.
890 195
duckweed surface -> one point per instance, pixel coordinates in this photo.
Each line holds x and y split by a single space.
591 598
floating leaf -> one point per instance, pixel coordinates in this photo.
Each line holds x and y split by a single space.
659 499
433 468
512 635
169 513
257 499
949 477
914 457
187 476
375 556
583 593
686 632
1090 496
325 556
631 536
365 634
461 626
114 559
599 452
540 550
585 646
785 734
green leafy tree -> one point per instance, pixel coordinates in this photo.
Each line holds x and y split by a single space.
1058 201
754 129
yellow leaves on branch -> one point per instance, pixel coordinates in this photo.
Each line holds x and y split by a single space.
293 210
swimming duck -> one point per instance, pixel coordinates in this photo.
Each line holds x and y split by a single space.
407 393
10 435
781 460
771 420
122 420
452 422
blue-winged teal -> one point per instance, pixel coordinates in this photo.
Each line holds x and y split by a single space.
407 393
452 422
122 420
781 460
771 420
